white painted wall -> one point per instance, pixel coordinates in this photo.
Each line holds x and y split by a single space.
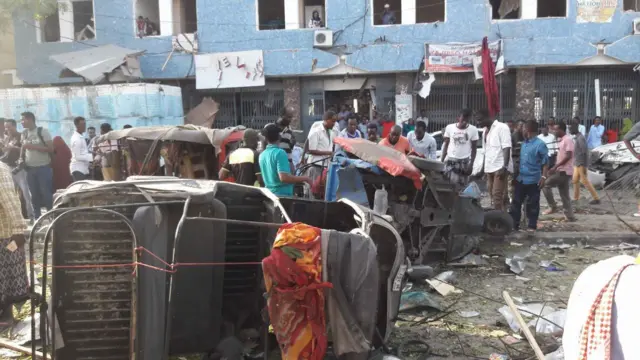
529 9
408 8
292 11
166 17
65 13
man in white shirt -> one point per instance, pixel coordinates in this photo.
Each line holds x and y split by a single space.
80 156
459 149
423 117
552 145
497 156
320 143
422 144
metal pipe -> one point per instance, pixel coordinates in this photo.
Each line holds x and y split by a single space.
169 313
237 222
168 202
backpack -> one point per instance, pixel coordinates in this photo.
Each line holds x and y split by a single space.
39 131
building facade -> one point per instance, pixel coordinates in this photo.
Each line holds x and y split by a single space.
8 76
564 57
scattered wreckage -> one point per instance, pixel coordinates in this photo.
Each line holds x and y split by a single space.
159 266
424 207
187 151
614 161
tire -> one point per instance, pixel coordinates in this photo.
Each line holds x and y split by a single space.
497 223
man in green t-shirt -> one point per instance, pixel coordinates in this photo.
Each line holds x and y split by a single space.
274 165
37 149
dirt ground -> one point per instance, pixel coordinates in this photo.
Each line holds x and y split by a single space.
453 336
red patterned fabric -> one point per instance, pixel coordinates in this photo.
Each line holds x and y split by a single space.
293 279
595 339
388 159
489 79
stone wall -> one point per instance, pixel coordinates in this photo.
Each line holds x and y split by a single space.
525 93
292 99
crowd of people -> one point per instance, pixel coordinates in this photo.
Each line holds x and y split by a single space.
41 164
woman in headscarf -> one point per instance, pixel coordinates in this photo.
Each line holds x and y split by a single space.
315 21
60 163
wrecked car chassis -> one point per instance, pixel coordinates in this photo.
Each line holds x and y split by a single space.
113 272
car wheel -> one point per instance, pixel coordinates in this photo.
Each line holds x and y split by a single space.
497 223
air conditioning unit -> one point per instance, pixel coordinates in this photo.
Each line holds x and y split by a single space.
185 43
323 38
636 26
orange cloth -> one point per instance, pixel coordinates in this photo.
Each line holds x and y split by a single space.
295 292
402 145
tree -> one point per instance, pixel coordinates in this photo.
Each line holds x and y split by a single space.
39 8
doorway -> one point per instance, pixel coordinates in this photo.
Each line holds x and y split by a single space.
358 101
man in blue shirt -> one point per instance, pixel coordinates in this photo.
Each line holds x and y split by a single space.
596 134
274 165
534 163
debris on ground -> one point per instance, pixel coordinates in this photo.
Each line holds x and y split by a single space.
420 272
620 247
442 288
419 300
469 261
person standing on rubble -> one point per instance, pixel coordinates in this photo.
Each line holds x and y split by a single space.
561 174
81 158
580 164
532 174
243 163
37 154
459 149
497 157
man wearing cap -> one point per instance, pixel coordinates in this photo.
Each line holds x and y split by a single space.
243 164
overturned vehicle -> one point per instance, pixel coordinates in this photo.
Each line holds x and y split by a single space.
614 161
428 211
156 266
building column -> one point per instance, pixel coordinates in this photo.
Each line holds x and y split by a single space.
292 11
525 93
404 97
65 14
166 17
292 100
408 12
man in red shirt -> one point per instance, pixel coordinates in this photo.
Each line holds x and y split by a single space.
396 140
387 125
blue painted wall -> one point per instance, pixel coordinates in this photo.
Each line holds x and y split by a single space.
119 105
230 25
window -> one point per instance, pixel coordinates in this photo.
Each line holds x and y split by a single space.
505 9
631 5
176 17
271 14
387 12
49 28
313 15
83 25
528 9
147 18
430 11
74 20
185 20
552 8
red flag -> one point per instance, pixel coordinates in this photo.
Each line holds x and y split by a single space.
489 79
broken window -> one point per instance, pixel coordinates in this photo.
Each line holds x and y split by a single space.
505 9
83 25
147 18
185 20
271 14
387 12
552 8
631 5
313 15
430 11
50 28
528 9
